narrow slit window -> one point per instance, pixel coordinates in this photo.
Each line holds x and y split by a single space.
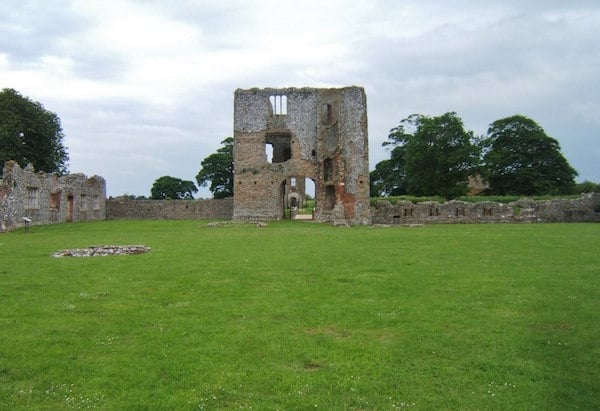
327 170
327 115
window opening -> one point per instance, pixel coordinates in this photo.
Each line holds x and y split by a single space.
96 202
327 169
327 114
32 197
54 202
278 148
269 152
83 203
293 182
279 104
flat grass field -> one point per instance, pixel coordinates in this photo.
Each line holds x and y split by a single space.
299 315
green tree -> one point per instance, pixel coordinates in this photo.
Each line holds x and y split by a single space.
388 177
217 169
586 187
438 155
30 134
167 187
520 159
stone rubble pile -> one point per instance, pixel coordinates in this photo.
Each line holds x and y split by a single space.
102 250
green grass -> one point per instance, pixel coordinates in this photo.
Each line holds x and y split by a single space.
300 315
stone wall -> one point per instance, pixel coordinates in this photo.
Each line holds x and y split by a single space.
319 134
118 208
46 198
583 209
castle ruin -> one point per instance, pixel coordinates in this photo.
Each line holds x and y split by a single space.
30 197
312 133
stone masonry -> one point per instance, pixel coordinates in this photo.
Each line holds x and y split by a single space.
586 208
124 209
319 134
44 198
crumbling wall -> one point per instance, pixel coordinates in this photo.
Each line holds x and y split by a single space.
119 209
583 209
46 198
319 134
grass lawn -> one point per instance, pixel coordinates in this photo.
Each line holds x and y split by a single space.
298 315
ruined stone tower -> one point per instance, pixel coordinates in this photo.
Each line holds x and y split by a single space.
317 134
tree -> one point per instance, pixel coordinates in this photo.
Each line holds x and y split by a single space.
388 177
30 134
217 169
168 187
586 187
520 159
436 154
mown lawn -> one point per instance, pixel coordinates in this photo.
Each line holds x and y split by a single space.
298 315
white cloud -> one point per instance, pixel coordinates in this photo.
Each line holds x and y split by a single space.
145 88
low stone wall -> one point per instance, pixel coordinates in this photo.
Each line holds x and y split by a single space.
583 209
117 209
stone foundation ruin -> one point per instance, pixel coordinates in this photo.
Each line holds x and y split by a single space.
586 208
102 251
30 197
284 136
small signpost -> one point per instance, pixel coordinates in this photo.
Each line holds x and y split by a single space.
26 222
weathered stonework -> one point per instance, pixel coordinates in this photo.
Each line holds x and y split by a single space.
44 198
319 134
119 209
583 209
102 251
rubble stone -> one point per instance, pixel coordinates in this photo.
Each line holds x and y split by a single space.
102 251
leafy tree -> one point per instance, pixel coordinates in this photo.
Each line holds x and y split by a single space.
167 187
388 177
30 134
586 187
217 169
521 159
436 155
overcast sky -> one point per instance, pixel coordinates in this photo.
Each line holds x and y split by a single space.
145 88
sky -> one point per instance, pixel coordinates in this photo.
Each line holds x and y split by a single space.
145 89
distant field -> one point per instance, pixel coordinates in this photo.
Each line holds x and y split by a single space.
298 315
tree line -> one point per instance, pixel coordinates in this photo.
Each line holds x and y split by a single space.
435 156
